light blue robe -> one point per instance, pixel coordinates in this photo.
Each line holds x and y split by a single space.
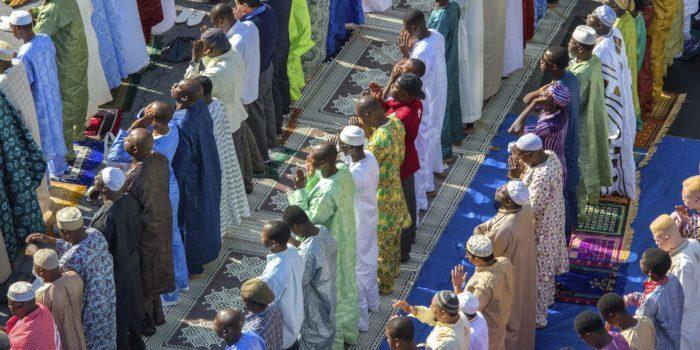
664 306
320 253
165 145
39 58
105 20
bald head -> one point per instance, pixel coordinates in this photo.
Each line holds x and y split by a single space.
415 66
221 11
228 324
399 332
139 143
326 152
162 111
370 110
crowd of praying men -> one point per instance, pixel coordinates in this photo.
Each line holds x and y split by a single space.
356 202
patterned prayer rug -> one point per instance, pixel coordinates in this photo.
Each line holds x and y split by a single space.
89 156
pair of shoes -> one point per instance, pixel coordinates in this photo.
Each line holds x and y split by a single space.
191 16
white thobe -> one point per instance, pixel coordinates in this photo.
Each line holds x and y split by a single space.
471 59
622 121
15 85
245 39
686 267
431 51
135 51
366 176
169 16
479 339
284 272
513 49
98 90
375 5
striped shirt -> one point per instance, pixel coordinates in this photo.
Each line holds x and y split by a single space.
551 128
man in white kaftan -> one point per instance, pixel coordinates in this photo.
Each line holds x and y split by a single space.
685 265
622 122
375 5
134 45
471 59
365 173
430 49
15 86
513 49
98 90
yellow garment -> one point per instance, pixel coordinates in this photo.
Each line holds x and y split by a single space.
664 15
300 42
445 336
628 29
674 41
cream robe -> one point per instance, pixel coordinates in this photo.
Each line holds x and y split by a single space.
685 265
513 235
514 46
471 59
494 45
445 336
493 285
98 90
431 51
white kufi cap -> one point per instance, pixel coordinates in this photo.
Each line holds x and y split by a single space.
529 142
585 35
113 178
69 219
468 302
606 15
517 191
352 135
20 292
479 246
20 18
46 259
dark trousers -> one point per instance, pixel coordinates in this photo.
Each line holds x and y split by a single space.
238 146
408 235
154 316
280 87
261 115
129 337
251 157
571 208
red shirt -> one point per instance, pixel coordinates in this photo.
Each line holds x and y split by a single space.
410 114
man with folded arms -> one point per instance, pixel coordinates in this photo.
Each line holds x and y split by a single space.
31 325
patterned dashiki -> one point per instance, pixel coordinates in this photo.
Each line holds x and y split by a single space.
691 229
319 11
267 324
234 202
91 259
39 58
23 170
387 145
618 342
105 20
544 182
551 128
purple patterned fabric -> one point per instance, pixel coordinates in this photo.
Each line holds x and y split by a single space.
551 128
268 325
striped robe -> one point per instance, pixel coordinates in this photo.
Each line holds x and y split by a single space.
619 103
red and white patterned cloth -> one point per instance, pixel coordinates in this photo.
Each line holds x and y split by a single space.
37 330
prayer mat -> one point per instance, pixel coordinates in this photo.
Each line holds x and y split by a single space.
605 218
653 125
586 284
594 250
82 169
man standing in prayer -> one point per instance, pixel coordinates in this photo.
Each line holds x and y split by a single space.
198 172
494 29
280 58
593 159
119 221
689 224
60 19
513 49
492 284
591 329
284 272
541 172
637 330
365 171
15 86
62 294
228 325
428 46
263 316
328 199
386 143
471 62
450 326
399 333
234 203
478 328
31 325
628 29
147 181
664 15
685 265
158 117
320 252
445 20
151 13
38 55
300 43
263 122
662 300
622 122
513 236
85 251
